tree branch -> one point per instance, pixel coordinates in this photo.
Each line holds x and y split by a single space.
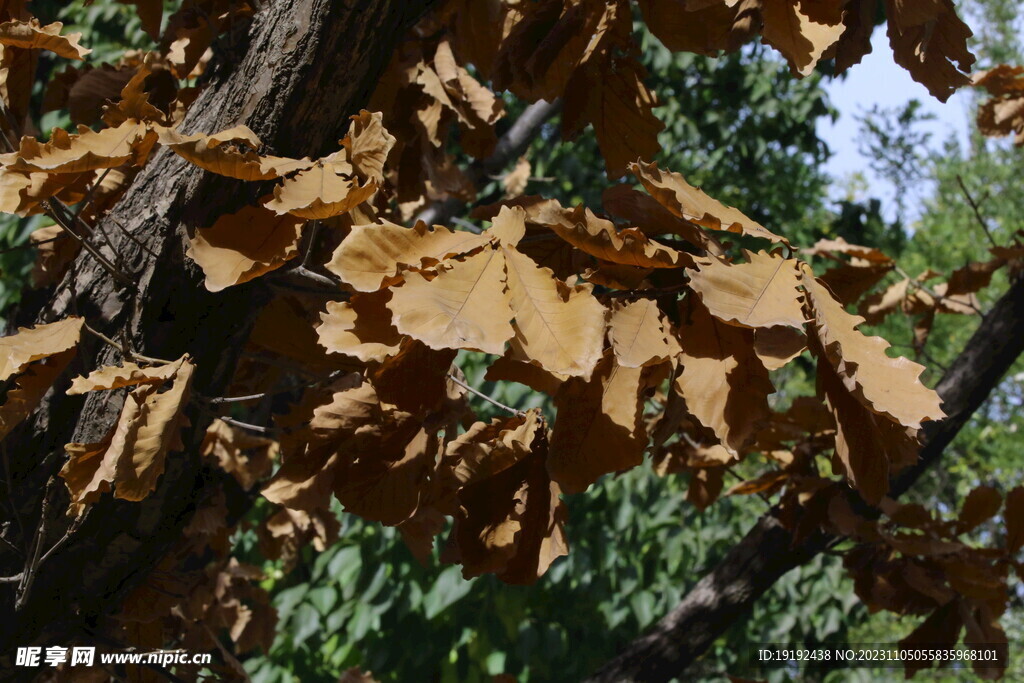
511 146
768 550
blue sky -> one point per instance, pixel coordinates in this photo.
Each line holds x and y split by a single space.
879 80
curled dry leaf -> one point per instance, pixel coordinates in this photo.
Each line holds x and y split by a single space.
930 41
244 245
600 238
131 457
326 189
509 518
373 254
31 35
803 39
763 292
888 386
30 344
685 201
87 151
126 375
30 387
368 144
230 153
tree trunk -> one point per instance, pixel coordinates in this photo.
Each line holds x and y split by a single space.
768 551
308 66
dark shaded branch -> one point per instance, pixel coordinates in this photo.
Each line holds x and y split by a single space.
768 551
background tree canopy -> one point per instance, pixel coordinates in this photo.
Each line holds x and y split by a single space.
261 443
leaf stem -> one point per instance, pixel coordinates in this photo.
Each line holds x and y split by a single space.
480 394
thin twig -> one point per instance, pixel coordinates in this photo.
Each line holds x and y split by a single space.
467 225
977 211
129 235
517 413
29 573
66 537
28 245
123 348
12 579
113 270
249 427
87 200
314 232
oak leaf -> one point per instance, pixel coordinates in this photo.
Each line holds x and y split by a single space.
373 254
930 41
368 144
247 457
763 292
244 245
230 153
360 327
30 387
464 306
131 457
598 427
685 201
888 386
724 383
30 344
31 35
85 151
802 39
127 374
640 334
557 327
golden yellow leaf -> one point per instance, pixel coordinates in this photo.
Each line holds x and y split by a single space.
640 335
829 247
326 189
244 245
86 151
368 144
231 153
360 327
372 254
30 344
685 201
465 306
485 449
801 40
762 292
598 427
31 35
127 374
55 250
558 328
724 383
849 281
888 386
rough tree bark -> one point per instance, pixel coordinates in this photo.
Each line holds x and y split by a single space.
308 66
768 551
